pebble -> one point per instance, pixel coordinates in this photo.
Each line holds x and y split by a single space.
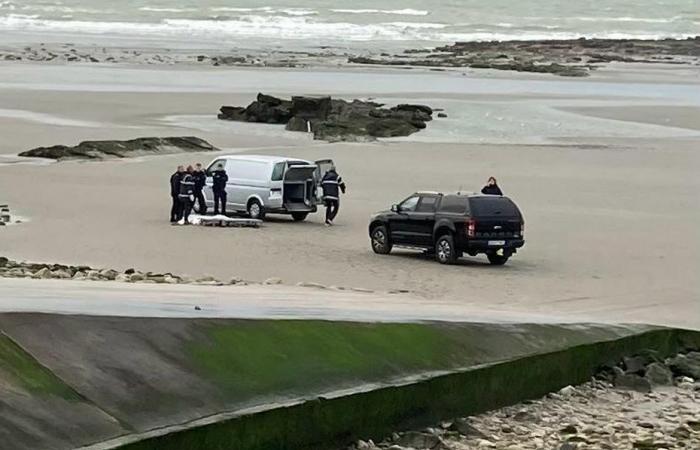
599 416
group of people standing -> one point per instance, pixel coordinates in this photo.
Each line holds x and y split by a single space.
187 186
186 191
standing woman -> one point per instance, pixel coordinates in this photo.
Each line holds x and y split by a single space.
491 187
187 194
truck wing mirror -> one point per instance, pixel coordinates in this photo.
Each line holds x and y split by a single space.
395 208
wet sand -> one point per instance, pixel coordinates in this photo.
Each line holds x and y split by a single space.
611 202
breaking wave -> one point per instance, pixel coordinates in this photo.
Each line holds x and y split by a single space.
400 12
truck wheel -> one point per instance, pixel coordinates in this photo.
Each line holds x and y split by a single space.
255 210
445 251
381 242
299 216
497 260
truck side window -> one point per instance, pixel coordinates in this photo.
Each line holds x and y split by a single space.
427 204
410 204
278 172
453 204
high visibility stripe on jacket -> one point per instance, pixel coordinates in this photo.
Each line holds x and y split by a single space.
186 186
332 185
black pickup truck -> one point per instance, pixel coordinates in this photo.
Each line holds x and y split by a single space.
451 225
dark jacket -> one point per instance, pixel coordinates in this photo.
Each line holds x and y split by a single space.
491 190
332 185
186 186
175 183
200 179
220 179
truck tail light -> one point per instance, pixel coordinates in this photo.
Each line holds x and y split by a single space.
522 228
471 228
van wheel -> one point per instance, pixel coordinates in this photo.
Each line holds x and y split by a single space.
445 251
496 259
299 216
381 243
255 210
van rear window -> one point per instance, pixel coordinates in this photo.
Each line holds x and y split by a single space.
493 206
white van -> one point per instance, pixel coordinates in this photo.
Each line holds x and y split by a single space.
260 184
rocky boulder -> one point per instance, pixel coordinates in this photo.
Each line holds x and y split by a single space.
122 149
659 375
309 108
686 365
333 119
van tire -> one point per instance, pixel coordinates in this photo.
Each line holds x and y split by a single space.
445 251
299 216
380 240
255 210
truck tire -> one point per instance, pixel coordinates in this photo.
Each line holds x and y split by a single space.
255 210
381 241
299 216
496 260
445 251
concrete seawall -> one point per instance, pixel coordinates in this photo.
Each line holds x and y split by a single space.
336 420
146 383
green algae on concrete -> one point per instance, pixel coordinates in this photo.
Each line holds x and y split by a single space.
335 421
23 370
252 358
195 383
39 411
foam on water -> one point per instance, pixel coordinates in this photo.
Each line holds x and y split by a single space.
332 22
401 12
247 26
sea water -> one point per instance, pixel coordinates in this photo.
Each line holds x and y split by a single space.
358 24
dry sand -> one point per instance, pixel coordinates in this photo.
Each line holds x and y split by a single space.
612 206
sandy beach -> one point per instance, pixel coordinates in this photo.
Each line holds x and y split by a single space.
604 169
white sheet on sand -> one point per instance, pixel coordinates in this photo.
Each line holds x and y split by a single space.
196 219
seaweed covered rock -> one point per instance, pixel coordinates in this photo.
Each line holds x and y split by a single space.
333 119
122 149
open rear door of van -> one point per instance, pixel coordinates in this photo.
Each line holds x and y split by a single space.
299 188
322 166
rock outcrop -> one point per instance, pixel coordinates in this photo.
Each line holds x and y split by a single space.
333 119
122 149
568 57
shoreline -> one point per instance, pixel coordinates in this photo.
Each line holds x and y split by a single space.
571 57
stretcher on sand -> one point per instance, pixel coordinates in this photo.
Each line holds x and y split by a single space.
224 221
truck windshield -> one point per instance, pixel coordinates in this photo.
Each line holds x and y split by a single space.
490 206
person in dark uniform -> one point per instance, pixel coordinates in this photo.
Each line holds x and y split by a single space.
220 179
491 187
175 210
200 179
186 194
332 185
